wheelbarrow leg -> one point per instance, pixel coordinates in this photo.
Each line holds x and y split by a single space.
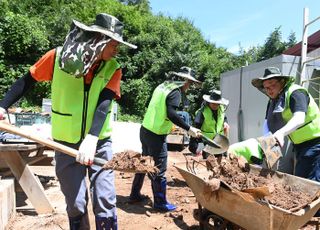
200 217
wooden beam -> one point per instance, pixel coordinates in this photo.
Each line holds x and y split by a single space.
28 181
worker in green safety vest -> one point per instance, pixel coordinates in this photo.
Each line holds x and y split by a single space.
211 120
292 112
85 79
157 124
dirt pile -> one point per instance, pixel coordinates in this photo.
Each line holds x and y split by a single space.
130 161
236 174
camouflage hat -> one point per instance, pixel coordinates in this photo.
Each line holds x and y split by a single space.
108 25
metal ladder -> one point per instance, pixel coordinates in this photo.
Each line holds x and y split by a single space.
311 83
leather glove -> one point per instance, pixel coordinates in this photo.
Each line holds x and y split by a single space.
194 132
279 136
2 113
87 150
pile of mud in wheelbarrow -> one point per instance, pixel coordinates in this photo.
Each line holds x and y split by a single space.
235 195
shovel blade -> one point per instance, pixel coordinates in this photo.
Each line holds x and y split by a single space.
271 149
221 145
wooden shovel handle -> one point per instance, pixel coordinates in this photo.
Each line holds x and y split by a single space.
46 142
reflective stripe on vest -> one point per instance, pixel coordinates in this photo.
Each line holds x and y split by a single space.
155 119
69 105
210 127
311 127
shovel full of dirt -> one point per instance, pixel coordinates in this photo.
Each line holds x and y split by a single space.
271 150
127 161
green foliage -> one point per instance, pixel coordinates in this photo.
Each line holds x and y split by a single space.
30 28
272 47
129 118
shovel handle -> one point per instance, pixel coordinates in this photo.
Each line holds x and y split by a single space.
50 143
210 142
99 161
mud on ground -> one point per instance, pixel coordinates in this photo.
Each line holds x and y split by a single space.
138 216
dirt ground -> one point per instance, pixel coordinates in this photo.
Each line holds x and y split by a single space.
138 216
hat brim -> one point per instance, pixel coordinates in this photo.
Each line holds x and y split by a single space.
101 30
258 82
222 101
186 76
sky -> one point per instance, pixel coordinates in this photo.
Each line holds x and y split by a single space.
229 23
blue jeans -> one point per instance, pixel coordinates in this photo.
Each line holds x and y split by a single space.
185 116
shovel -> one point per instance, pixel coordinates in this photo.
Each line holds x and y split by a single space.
217 146
46 142
67 150
271 149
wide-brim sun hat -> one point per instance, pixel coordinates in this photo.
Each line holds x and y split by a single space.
216 98
187 73
108 25
270 73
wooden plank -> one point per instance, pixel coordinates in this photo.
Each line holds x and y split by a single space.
29 183
7 202
19 147
175 139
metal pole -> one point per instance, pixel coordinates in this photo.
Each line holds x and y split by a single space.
304 47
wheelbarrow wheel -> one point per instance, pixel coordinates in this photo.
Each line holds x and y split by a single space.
215 222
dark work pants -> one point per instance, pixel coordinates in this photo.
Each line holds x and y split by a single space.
155 146
308 161
72 178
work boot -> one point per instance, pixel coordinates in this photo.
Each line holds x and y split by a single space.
79 222
159 186
135 195
106 223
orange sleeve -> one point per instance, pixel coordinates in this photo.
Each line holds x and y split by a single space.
42 70
114 83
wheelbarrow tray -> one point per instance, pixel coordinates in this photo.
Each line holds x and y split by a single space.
252 214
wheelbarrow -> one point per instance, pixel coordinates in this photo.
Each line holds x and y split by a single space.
252 214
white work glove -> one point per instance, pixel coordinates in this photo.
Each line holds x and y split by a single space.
2 113
87 150
294 123
194 132
279 136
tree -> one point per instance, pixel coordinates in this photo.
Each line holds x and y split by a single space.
273 46
291 40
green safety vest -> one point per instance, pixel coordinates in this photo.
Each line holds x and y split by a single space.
210 127
155 119
72 107
311 127
248 149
